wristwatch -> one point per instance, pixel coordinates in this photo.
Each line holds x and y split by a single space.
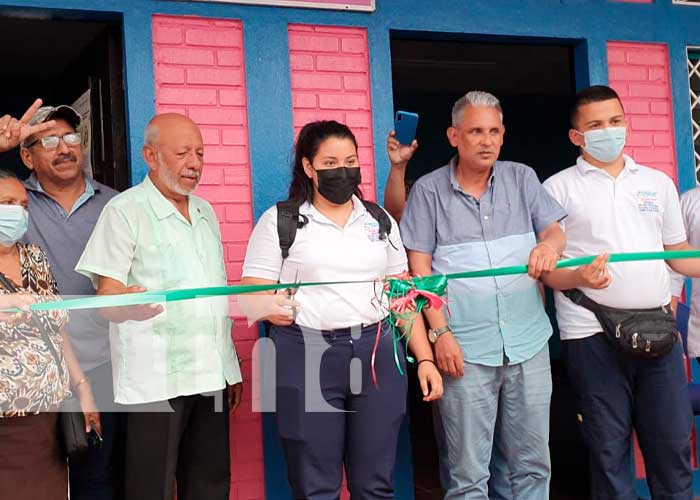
433 335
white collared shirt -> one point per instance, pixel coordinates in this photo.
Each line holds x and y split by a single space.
324 251
638 211
690 207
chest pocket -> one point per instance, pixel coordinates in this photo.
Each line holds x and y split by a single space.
512 216
174 252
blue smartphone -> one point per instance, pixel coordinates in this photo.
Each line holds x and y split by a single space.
405 125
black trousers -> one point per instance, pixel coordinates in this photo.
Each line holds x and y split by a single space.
99 475
189 444
617 393
361 433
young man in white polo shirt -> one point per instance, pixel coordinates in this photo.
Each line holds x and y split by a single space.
615 205
690 208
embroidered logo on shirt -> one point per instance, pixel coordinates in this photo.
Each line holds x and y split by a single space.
372 229
648 201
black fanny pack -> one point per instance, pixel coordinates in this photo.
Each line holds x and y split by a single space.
644 333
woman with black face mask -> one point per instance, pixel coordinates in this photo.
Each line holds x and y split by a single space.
334 341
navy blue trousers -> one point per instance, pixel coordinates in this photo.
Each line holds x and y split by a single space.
617 393
351 422
99 474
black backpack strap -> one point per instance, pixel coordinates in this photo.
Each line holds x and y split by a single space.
380 216
288 221
579 298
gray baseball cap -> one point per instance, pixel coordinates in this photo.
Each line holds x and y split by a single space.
46 113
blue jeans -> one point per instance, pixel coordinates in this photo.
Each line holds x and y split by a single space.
499 482
616 393
518 397
499 487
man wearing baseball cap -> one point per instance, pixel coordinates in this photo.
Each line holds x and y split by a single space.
64 206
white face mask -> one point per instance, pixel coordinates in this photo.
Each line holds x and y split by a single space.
605 144
14 220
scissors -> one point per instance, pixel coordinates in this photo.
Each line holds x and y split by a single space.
291 292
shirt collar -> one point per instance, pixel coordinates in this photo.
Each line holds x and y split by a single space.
358 209
585 168
452 164
163 208
32 183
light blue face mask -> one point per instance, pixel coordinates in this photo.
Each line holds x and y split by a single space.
605 144
13 224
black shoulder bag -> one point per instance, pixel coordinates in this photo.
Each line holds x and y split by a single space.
643 333
70 419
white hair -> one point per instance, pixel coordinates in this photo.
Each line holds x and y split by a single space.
474 98
150 136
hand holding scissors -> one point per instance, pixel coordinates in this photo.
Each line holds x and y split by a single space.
284 309
291 292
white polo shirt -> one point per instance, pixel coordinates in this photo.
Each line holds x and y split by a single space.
324 251
638 211
690 208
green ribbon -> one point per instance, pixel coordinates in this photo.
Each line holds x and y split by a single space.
582 261
435 283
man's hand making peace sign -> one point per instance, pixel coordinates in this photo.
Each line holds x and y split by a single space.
14 131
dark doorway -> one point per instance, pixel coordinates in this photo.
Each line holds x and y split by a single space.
62 60
535 83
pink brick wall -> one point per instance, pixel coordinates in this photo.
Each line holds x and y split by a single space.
639 72
199 71
330 80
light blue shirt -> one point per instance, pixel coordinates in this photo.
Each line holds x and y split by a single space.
82 199
493 319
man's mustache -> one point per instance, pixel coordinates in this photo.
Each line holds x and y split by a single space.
64 159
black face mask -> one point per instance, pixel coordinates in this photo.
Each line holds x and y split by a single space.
337 185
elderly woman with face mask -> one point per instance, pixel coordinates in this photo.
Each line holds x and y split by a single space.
37 363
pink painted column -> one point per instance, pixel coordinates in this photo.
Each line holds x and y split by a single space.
639 72
330 81
200 72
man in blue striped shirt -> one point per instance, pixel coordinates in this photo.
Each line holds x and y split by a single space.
477 212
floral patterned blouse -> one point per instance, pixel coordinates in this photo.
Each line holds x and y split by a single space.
30 381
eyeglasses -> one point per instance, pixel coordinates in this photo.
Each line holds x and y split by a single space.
51 141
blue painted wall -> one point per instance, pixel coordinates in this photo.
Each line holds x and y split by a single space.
588 24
